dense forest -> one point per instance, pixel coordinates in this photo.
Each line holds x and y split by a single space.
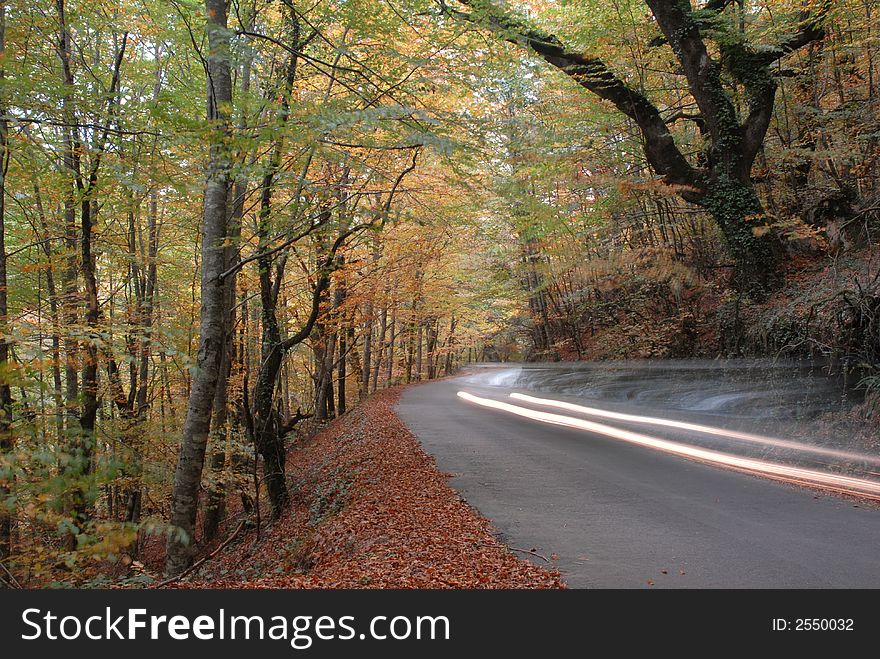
223 223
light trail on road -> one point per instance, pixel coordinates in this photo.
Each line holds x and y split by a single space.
706 430
836 482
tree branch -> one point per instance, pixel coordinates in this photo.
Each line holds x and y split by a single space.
325 270
398 181
810 29
751 69
703 74
592 74
287 243
111 94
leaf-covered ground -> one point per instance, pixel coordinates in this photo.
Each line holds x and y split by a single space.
371 510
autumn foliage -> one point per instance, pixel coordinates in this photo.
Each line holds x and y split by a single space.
372 511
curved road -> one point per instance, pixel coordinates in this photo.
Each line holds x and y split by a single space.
619 515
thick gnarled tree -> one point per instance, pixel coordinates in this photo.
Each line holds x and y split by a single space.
719 179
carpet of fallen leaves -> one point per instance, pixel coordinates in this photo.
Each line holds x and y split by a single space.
371 510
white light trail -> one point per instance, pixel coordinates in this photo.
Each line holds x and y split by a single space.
836 482
706 430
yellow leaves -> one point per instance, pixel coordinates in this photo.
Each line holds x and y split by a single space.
9 372
629 188
790 228
113 539
39 266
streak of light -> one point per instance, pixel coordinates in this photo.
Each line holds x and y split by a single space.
707 430
836 482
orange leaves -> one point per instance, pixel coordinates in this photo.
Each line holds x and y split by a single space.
398 524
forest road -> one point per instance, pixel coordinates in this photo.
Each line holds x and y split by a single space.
616 515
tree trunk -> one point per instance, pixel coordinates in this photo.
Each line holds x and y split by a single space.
366 372
341 372
5 389
733 204
54 314
215 507
215 504
71 158
419 342
391 340
431 346
410 352
380 342
134 494
329 359
338 302
450 346
191 459
323 373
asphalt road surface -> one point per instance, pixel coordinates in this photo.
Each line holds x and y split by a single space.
618 515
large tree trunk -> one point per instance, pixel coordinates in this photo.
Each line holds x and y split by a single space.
191 459
734 205
215 505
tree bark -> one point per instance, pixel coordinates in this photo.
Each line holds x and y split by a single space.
419 365
391 339
366 365
380 342
191 458
431 347
71 161
216 500
341 371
